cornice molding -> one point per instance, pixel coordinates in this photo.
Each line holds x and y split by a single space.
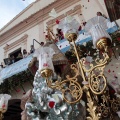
35 19
16 43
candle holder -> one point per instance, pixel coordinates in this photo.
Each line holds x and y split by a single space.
3 104
45 62
94 82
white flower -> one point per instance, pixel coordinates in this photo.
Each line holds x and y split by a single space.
84 43
116 48
89 59
53 13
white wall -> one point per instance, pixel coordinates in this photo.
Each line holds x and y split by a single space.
1 54
35 32
88 10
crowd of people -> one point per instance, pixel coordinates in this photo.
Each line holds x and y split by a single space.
21 55
59 34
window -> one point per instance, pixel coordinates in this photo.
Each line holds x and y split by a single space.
15 53
13 57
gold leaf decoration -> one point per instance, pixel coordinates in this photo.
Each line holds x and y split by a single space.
92 111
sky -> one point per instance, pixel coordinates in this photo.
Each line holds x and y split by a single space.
10 8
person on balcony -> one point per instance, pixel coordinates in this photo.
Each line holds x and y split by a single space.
60 34
19 57
25 54
12 59
32 49
100 14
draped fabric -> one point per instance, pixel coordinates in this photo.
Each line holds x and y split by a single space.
113 8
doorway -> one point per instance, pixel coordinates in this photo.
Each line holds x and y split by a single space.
14 110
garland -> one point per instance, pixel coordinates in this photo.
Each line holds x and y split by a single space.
15 81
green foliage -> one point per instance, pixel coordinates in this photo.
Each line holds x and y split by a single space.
14 81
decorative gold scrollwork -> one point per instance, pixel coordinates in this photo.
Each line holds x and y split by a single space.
97 83
114 105
92 111
103 110
71 89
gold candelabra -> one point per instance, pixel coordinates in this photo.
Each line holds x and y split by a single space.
2 111
94 82
1 115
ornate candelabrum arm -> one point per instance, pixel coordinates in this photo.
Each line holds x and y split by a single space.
93 83
71 89
91 107
94 78
79 62
1 115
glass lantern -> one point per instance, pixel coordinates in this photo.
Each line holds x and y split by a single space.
45 59
97 28
4 102
69 27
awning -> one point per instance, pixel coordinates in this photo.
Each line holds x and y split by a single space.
15 68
